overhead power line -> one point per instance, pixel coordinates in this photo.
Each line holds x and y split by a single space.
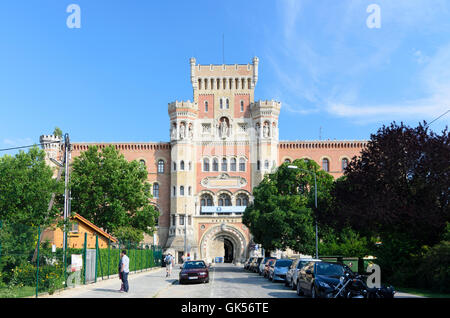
437 118
29 146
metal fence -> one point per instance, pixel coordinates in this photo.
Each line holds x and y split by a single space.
28 269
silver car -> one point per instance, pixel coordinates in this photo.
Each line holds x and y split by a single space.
294 269
279 270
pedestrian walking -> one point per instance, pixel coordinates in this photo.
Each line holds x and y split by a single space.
125 270
120 274
169 262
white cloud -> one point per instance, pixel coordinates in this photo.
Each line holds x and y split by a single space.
331 74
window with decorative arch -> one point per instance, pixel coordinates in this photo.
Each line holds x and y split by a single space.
215 164
233 164
224 200
156 190
206 164
241 164
344 164
325 164
206 200
160 166
224 164
206 106
242 200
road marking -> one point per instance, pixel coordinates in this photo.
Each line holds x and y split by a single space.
212 283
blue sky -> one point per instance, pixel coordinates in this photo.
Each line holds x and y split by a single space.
111 80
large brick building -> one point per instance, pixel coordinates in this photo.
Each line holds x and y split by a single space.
221 145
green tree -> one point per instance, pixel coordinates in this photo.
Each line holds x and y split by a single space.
282 214
112 193
397 190
26 187
57 132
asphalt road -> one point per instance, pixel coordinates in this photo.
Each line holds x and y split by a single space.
229 281
226 281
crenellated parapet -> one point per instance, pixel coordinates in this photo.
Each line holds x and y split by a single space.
51 144
323 144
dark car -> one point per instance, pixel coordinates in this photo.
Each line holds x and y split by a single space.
255 264
268 267
318 279
278 270
194 271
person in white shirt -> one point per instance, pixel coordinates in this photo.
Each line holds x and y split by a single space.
169 263
125 270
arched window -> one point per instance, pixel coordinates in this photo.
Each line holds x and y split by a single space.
206 106
224 164
206 164
242 200
181 190
325 164
241 164
287 161
160 166
206 200
224 200
242 105
174 166
190 190
344 164
174 191
215 164
156 190
233 164
190 165
266 164
221 103
228 103
258 165
142 162
182 165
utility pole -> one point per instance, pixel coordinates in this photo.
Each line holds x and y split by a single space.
67 149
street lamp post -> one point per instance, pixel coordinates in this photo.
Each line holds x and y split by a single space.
315 201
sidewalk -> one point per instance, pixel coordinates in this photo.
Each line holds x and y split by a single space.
142 285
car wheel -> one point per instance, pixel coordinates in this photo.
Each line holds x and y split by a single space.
299 290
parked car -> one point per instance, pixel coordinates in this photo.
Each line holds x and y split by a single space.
278 270
296 266
255 265
262 265
196 271
247 263
268 266
318 279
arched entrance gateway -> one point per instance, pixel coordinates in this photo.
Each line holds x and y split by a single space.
224 241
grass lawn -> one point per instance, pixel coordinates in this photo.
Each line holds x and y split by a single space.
422 292
17 292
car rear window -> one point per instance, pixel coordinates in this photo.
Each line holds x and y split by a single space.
329 269
283 263
189 265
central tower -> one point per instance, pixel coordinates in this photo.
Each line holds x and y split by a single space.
222 143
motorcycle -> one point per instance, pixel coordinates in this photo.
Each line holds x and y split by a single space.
354 286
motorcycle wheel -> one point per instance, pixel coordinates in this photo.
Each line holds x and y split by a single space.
299 290
313 292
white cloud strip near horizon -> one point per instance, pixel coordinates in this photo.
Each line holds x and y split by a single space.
344 99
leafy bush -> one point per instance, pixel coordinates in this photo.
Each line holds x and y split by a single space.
434 269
